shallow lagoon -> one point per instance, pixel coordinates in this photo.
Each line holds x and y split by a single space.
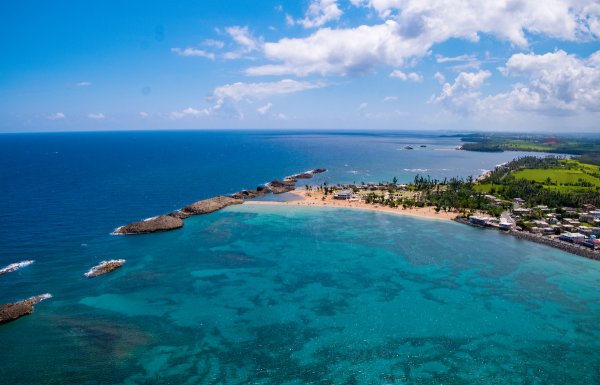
294 295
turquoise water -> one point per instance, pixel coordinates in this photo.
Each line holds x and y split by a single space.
271 294
296 295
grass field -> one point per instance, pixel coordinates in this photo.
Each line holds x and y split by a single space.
574 176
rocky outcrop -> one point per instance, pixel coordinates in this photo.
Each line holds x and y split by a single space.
13 311
282 186
249 194
179 214
14 267
105 267
151 225
175 219
210 205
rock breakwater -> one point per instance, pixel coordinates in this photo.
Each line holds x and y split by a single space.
12 311
105 267
175 219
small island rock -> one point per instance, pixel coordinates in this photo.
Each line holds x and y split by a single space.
12 311
282 186
210 205
105 267
152 225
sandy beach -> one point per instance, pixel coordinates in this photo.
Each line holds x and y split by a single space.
315 198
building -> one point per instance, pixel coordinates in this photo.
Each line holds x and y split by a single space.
518 202
571 237
343 195
588 207
479 220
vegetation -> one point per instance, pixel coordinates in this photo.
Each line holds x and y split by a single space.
545 181
588 147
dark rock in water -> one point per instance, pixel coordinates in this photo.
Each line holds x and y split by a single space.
152 225
249 194
14 267
263 189
422 146
12 311
280 187
319 170
179 214
210 205
105 267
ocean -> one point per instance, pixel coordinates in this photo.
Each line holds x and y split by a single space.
271 294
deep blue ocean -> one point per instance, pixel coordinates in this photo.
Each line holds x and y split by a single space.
272 294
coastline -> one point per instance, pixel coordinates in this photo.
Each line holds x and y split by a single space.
315 199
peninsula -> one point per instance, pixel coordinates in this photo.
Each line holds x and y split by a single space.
175 219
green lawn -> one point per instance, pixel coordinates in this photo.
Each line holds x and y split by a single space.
563 179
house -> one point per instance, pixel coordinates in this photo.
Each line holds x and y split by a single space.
479 220
586 217
343 195
595 213
588 207
520 211
541 224
571 237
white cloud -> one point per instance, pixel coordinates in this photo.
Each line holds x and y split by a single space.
412 27
214 43
244 39
84 84
320 12
96 116
508 20
190 113
362 106
57 116
463 94
264 109
554 83
240 90
289 20
189 52
412 76
339 51
390 98
281 116
144 115
439 77
225 97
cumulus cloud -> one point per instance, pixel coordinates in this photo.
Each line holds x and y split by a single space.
508 20
96 116
320 12
264 109
362 106
189 52
412 27
57 116
390 98
346 51
554 83
412 76
84 84
463 94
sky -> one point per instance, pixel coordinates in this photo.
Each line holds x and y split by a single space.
505 65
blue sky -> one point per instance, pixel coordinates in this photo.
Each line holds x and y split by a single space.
520 65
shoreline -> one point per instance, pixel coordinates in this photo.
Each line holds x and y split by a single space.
314 199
